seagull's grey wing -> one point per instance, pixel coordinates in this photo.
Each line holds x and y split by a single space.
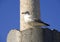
39 21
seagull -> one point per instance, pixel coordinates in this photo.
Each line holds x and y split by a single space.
28 18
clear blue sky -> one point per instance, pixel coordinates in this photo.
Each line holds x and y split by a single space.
9 15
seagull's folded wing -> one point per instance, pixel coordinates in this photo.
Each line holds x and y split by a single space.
36 23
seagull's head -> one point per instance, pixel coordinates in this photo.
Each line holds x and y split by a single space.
27 12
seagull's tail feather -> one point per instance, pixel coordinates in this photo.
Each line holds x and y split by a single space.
41 22
45 23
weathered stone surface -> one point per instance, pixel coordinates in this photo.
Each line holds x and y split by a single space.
26 35
29 35
32 35
14 36
37 35
48 35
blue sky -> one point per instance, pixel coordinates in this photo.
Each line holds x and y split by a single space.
9 15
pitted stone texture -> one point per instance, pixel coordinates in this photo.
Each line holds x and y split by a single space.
32 35
37 35
28 35
33 6
14 36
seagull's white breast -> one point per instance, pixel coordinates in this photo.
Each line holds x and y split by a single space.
28 18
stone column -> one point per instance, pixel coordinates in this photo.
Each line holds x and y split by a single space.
33 6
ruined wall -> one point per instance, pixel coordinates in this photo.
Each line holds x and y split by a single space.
29 35
34 35
51 35
47 34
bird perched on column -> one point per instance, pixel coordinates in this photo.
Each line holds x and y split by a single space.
31 20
